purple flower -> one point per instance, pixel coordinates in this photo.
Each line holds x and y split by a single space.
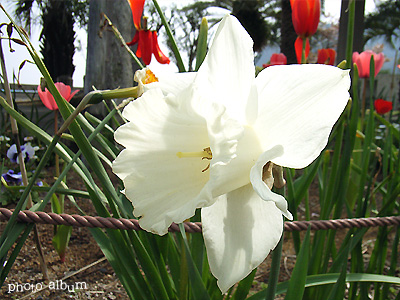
12 178
27 150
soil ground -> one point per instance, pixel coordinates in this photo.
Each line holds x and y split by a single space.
85 267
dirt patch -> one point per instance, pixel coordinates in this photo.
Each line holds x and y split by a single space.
85 274
98 281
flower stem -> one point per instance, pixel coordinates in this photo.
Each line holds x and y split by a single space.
174 46
363 102
303 52
350 34
57 159
119 36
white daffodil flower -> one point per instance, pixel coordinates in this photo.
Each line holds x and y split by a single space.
201 140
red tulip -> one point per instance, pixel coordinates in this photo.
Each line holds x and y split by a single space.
147 45
298 46
326 56
383 106
48 99
137 11
276 59
305 18
363 62
147 40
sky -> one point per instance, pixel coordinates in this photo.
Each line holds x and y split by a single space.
30 74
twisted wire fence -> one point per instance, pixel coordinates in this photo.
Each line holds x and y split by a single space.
28 216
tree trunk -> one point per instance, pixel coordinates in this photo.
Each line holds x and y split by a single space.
288 35
57 40
108 64
358 42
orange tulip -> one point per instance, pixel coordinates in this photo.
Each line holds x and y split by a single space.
326 56
47 98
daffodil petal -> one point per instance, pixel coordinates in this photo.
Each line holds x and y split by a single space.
162 187
297 108
227 72
261 187
239 231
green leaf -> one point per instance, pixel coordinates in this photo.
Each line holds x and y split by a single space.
171 38
129 274
331 278
244 287
340 285
61 239
275 269
297 281
197 286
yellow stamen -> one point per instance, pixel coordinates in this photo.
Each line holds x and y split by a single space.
150 77
205 154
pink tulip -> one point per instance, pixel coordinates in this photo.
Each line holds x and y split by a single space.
363 62
48 99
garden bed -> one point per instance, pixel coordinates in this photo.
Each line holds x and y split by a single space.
85 266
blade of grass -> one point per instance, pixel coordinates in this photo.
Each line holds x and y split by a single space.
274 271
339 288
331 278
171 38
197 286
297 281
244 287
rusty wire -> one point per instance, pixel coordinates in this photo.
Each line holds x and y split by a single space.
28 216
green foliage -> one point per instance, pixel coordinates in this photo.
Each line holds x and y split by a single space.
79 9
384 21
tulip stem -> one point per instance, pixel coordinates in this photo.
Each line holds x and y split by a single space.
303 52
364 93
57 159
